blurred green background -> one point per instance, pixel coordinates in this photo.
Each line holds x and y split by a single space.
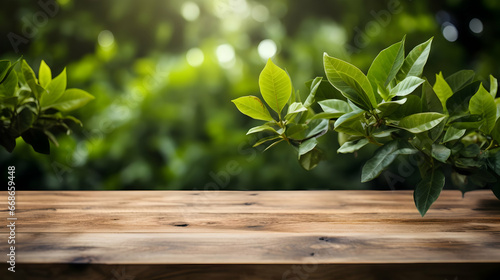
164 72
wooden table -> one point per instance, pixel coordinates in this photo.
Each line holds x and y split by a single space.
295 235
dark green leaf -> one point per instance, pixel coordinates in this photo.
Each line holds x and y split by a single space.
430 101
406 86
382 158
428 190
440 152
453 134
351 123
9 84
470 151
38 140
4 67
459 102
460 79
307 146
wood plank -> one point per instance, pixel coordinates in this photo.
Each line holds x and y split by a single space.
273 229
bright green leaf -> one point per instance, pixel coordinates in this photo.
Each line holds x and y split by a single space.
261 128
350 81
442 90
72 99
421 122
55 90
9 84
483 104
428 190
334 106
275 86
44 74
29 77
296 107
253 107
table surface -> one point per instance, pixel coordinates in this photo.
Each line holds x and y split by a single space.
252 227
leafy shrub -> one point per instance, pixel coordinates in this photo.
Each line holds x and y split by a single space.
450 129
34 108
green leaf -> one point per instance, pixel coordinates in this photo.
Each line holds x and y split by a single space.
352 146
44 74
494 161
253 107
440 152
496 132
72 99
467 122
430 101
458 104
413 105
311 159
471 151
351 123
275 86
460 79
307 146
9 84
382 158
350 81
453 134
415 61
389 107
38 140
261 128
311 98
428 190
264 140
442 90
483 104
386 65
4 68
334 106
421 122
55 90
294 130
29 77
493 86
406 86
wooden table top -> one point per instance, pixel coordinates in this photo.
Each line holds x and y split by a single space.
252 227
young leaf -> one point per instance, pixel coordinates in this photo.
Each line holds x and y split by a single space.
29 77
350 81
440 152
312 95
55 89
352 146
493 86
415 61
307 146
421 122
334 106
72 99
428 190
275 86
296 107
252 107
442 90
453 134
261 128
382 158
44 74
386 65
460 79
482 103
406 86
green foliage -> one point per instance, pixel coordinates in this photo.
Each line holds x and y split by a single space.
33 108
453 124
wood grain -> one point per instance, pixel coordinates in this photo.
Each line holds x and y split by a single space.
367 232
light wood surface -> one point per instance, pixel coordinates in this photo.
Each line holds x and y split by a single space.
334 231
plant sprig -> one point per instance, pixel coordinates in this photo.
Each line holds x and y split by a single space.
454 123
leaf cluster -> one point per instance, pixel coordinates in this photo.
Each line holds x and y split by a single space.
453 124
34 108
